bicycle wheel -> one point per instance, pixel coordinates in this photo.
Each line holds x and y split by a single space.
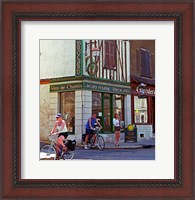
68 155
100 142
47 152
89 143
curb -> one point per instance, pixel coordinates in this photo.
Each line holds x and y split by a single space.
123 147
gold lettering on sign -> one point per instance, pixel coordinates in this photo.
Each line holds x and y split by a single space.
78 57
65 87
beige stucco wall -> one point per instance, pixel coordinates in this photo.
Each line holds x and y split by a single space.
48 109
44 108
57 58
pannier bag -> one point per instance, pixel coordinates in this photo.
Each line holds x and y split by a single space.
71 144
83 137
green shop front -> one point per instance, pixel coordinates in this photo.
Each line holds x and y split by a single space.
78 100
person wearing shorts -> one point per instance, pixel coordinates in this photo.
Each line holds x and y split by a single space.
60 130
90 125
116 123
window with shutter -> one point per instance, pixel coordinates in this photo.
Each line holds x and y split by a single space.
110 54
144 62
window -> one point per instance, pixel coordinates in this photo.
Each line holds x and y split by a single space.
119 108
105 105
110 54
140 110
68 110
144 62
97 104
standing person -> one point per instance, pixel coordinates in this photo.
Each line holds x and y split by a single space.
116 123
90 128
60 130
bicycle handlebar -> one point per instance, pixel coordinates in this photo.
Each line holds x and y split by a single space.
52 137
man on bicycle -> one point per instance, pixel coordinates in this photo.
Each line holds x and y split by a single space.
60 130
90 125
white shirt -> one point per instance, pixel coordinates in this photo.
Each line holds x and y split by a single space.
116 122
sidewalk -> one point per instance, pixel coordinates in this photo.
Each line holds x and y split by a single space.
147 143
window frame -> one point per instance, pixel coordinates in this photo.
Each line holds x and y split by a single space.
61 110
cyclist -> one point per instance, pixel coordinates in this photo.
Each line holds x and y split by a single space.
60 130
90 125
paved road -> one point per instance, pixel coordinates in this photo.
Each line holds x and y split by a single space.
115 154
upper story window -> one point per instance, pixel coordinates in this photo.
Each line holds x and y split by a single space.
110 54
144 62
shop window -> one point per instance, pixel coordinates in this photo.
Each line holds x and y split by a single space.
119 108
104 106
68 109
140 110
97 104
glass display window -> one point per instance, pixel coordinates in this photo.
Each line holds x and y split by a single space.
140 110
105 105
68 110
118 106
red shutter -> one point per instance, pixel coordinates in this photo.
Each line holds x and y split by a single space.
145 63
110 54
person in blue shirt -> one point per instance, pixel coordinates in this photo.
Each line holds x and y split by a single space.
90 125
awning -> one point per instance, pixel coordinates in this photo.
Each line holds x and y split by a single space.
140 79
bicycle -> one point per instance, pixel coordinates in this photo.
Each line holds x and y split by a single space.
48 151
98 142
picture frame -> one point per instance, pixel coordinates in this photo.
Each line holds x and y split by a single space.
15 187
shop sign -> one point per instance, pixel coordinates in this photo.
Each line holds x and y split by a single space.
66 87
92 69
106 88
131 133
89 86
145 91
78 58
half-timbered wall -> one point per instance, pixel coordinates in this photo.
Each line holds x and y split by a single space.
113 62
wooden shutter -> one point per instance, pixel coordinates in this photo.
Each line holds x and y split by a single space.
145 63
110 54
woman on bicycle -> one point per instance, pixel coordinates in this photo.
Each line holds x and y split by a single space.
90 125
60 130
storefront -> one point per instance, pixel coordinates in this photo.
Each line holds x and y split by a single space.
143 105
78 100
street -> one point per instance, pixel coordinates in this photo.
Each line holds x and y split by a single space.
115 154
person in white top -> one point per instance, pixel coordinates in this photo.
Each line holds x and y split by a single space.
60 130
116 123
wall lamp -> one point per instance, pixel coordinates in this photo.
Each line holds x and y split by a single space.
95 50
